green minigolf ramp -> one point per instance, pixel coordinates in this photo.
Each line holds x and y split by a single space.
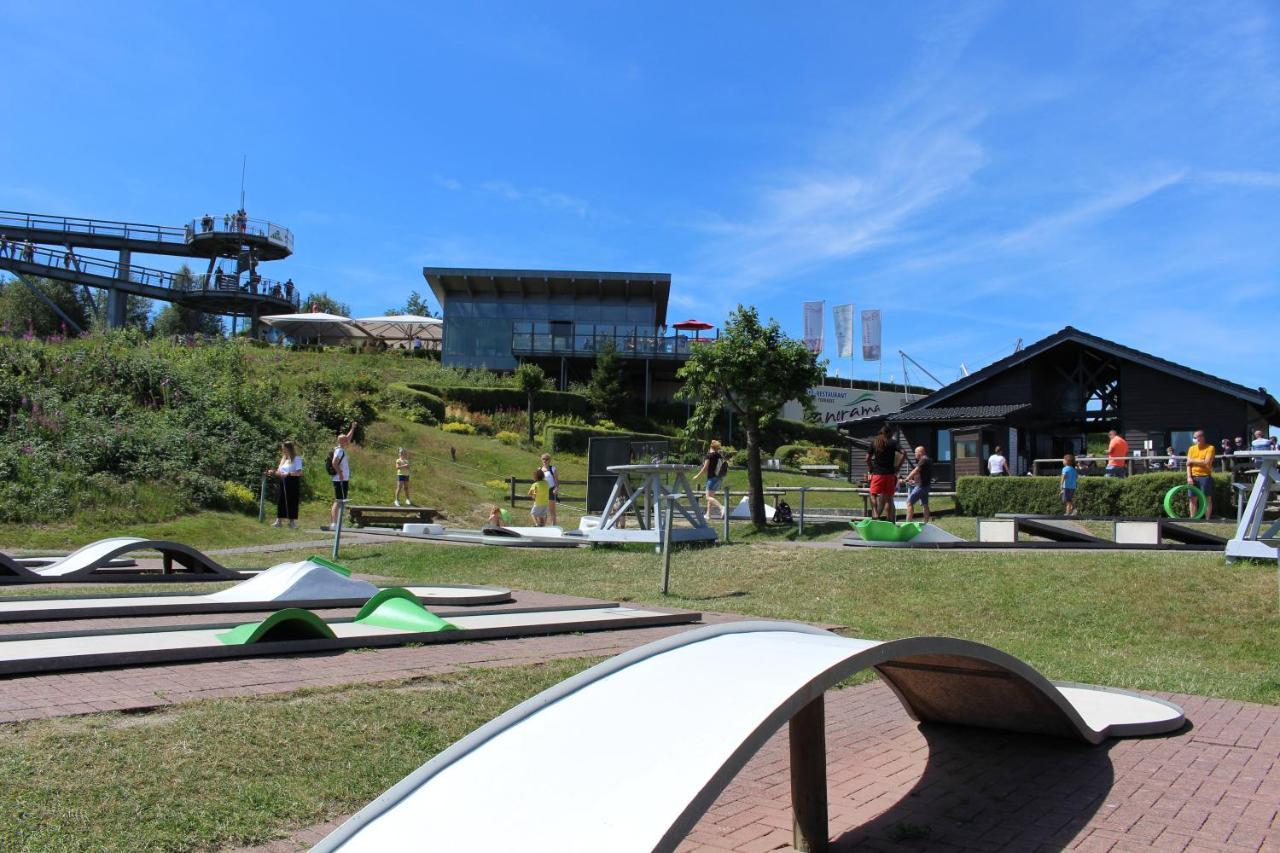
292 623
401 610
877 530
331 565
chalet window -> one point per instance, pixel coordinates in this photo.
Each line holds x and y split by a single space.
944 445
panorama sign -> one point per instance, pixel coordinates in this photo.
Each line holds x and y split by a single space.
833 404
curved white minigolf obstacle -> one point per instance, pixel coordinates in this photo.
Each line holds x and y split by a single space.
629 754
301 584
94 562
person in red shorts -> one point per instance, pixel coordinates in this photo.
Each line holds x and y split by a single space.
884 461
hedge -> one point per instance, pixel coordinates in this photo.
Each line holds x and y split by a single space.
788 454
484 399
415 398
1141 495
781 432
571 438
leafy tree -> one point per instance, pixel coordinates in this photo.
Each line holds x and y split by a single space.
530 379
607 389
416 305
174 319
325 303
137 312
753 370
22 310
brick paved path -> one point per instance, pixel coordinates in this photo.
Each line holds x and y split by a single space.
896 786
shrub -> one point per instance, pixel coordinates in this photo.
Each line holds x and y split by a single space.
787 454
780 431
507 437
459 428
486 399
421 406
1140 495
238 498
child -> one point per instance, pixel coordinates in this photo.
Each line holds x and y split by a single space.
541 493
1067 482
402 478
496 517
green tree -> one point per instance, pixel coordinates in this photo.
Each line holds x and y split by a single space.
174 319
22 309
325 303
753 370
530 379
417 305
137 312
607 388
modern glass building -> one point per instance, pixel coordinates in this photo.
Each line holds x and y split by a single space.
498 318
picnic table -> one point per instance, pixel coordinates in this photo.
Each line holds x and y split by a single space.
824 470
391 516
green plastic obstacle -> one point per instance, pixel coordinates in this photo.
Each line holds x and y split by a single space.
291 623
330 564
1192 492
877 530
401 610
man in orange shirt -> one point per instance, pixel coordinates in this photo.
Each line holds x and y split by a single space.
1117 455
1200 472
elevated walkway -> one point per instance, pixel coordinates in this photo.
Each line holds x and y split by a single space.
207 237
210 293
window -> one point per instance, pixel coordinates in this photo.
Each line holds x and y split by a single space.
944 445
967 448
1179 440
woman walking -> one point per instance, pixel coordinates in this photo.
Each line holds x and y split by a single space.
289 474
714 467
884 461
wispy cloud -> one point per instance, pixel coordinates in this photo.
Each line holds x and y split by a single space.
1090 210
539 196
1252 179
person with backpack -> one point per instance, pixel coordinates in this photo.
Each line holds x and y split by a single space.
339 469
553 485
715 466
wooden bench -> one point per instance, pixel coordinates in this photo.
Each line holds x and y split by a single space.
391 516
822 470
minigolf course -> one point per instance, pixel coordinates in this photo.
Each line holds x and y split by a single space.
313 582
601 761
392 617
99 562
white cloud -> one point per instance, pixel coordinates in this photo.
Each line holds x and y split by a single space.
1254 179
1090 210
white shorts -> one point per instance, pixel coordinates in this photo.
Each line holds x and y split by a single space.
538 512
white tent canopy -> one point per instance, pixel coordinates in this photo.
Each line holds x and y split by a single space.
316 326
403 327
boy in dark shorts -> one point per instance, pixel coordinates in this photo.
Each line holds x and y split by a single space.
921 478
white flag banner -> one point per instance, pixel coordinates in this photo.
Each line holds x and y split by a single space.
871 335
813 325
842 318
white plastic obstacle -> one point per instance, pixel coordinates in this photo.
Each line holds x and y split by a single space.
1256 539
598 762
94 561
646 503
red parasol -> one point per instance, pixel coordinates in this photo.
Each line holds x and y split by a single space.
693 326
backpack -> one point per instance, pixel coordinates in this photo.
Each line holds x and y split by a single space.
330 463
722 469
782 513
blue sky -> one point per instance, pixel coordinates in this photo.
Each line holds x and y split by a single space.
980 172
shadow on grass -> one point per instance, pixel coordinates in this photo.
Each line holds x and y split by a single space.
813 531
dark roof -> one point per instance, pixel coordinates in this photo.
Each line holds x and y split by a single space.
958 413
1257 396
652 287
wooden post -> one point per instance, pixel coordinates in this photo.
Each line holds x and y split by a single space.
725 513
666 544
809 778
512 482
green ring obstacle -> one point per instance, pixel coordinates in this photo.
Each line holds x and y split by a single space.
1192 491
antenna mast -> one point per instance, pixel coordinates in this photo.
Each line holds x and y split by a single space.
244 164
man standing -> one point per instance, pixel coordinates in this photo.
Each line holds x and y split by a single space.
1117 455
1200 473
997 465
921 478
340 471
1260 441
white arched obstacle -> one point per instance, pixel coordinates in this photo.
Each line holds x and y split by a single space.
95 561
629 754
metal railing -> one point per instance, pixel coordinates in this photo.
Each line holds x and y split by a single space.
194 230
207 226
69 264
1136 464
534 338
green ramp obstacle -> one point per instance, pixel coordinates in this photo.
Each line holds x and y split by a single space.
331 565
401 610
1192 491
292 623
877 530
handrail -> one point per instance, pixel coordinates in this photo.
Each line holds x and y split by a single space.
194 284
191 232
1131 460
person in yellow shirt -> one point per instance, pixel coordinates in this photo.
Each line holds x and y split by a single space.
540 491
1200 472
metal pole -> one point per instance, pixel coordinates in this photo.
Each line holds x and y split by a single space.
262 500
666 546
337 529
800 528
725 513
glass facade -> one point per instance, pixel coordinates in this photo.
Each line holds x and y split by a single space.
480 332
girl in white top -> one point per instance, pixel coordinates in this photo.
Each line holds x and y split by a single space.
289 473
997 465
